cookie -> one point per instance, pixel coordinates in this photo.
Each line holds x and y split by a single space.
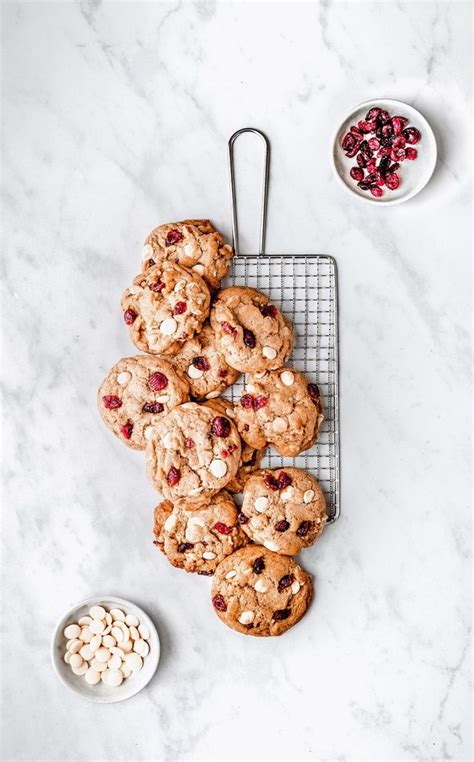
164 306
280 407
197 537
251 332
195 244
161 513
204 365
283 509
258 592
249 458
136 392
192 451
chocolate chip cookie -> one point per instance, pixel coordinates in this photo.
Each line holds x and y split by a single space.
198 536
280 407
192 451
251 332
249 458
258 592
136 392
204 365
164 306
195 244
284 510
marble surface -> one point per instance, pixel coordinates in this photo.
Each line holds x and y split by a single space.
116 118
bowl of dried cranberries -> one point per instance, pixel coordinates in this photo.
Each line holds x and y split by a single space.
384 151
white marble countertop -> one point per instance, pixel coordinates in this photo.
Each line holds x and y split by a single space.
117 117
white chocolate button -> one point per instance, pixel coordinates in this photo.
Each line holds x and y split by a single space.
144 632
168 441
131 620
212 395
99 666
286 494
134 634
308 495
199 269
86 652
141 647
107 630
196 521
115 662
261 586
295 587
97 627
218 468
117 633
269 353
170 522
287 378
126 645
261 504
102 654
125 670
104 676
194 372
134 662
114 677
67 656
208 555
95 643
109 641
230 574
148 432
123 378
81 669
75 660
168 326
279 425
255 522
164 398
86 635
147 252
108 618
116 651
246 617
97 612
229 412
92 676
271 545
74 646
84 620
72 631
179 285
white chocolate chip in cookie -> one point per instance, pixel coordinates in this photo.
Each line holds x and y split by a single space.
170 522
208 555
230 574
269 353
148 432
261 586
179 285
123 378
255 522
287 378
212 395
308 495
279 425
167 440
147 252
295 587
286 494
199 269
164 398
194 372
261 504
271 545
218 468
168 326
229 412
246 617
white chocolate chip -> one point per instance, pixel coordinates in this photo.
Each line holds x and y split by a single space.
135 289
97 627
97 612
229 412
108 618
179 285
125 670
74 646
123 378
95 643
148 432
116 651
189 406
117 615
144 632
212 395
261 586
109 641
104 676
72 631
269 353
168 326
115 662
162 399
261 504
84 620
230 574
168 440
102 654
218 468
194 372
279 425
86 652
107 630
75 660
255 522
308 495
117 633
126 646
92 676
287 378
208 555
170 522
134 662
196 521
141 647
246 617
67 656
199 269
286 494
114 677
270 545
147 252
81 669
131 620
295 587
99 666
86 635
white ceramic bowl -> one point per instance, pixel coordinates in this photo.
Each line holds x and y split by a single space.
413 174
102 693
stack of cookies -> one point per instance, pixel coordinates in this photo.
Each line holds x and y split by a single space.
201 448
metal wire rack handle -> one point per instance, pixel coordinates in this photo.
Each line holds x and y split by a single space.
233 192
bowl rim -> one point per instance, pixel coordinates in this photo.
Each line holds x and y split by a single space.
370 199
58 633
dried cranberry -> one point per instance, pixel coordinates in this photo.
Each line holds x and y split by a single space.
384 165
249 338
219 603
259 402
383 117
356 132
362 161
220 426
398 123
222 528
173 236
282 526
285 582
392 180
284 480
189 443
398 154
179 308
173 476
376 191
313 392
304 528
396 166
232 447
200 363
269 310
281 614
374 144
224 453
157 381
411 153
352 152
129 316
357 173
411 135
126 430
399 142
157 286
246 427
242 518
366 126
246 401
153 407
111 402
348 142
223 373
270 481
387 130
184 546
258 565
228 328
373 113
364 185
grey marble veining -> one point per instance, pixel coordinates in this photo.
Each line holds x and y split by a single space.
116 119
